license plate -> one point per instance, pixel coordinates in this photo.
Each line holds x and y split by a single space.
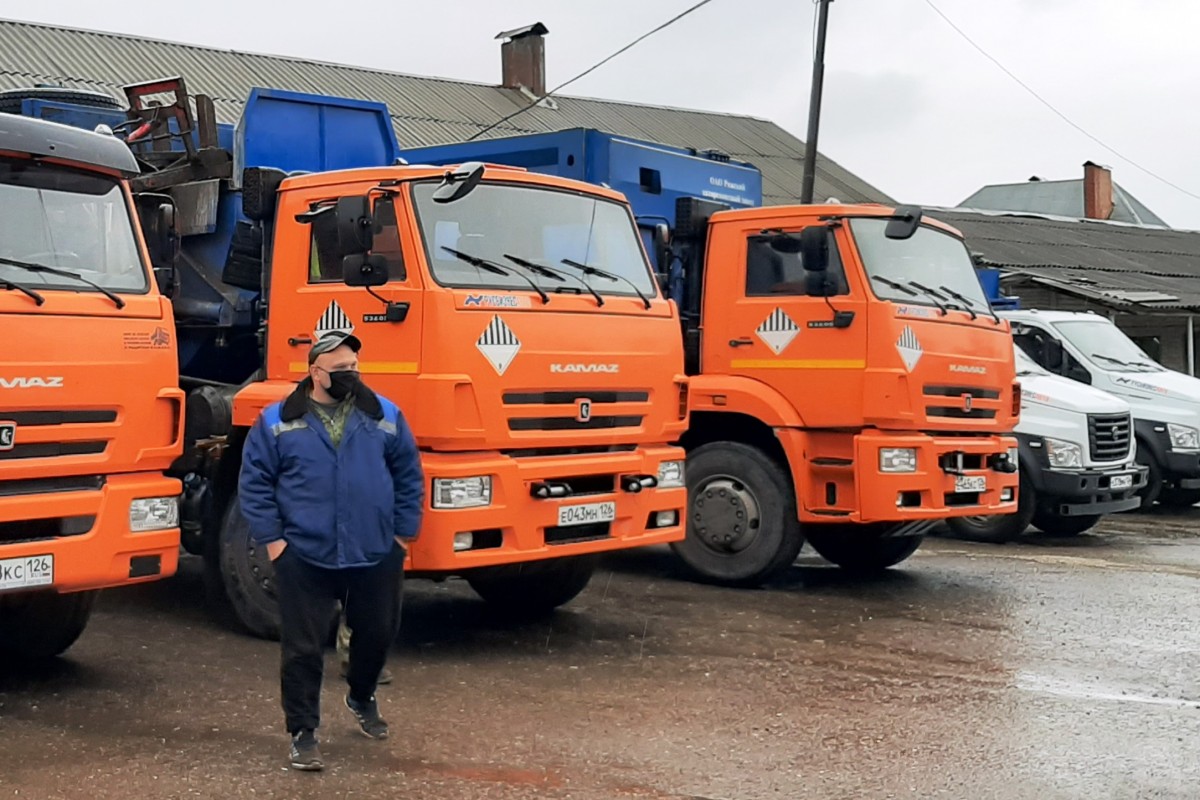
1121 482
970 483
586 514
23 573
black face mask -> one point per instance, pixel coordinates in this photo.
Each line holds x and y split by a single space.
342 383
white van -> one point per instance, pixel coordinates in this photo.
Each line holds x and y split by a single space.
1166 404
1076 459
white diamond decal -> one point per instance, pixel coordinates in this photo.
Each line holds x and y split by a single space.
777 331
334 319
909 347
498 344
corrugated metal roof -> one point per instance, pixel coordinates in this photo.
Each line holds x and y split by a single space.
1119 264
424 110
1059 198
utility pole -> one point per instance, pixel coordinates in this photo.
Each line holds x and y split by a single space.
814 104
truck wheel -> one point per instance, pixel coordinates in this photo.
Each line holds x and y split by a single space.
998 528
535 587
10 101
1154 480
248 576
39 626
861 548
1179 498
742 526
1056 525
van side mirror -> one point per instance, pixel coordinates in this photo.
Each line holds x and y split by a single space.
1054 355
903 223
355 227
814 250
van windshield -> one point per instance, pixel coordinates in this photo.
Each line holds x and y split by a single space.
1107 346
71 220
543 226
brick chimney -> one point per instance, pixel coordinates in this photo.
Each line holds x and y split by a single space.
523 58
1097 191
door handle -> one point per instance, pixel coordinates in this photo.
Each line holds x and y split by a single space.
740 342
296 341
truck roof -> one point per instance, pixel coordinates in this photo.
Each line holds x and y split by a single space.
422 172
1030 314
825 209
41 137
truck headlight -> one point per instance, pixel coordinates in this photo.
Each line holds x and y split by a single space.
153 514
897 459
671 475
1183 437
1063 454
462 492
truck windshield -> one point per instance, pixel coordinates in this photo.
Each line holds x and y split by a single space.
543 226
1106 346
931 262
71 220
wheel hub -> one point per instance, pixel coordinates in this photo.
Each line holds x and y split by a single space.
725 515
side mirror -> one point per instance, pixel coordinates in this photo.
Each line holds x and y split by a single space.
458 183
354 225
1054 355
814 250
660 237
817 284
364 270
904 223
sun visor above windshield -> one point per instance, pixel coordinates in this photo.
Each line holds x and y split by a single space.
50 139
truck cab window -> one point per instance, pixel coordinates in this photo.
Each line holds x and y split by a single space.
324 264
1043 348
769 272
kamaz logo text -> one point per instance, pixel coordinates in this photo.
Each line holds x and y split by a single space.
31 383
969 369
609 368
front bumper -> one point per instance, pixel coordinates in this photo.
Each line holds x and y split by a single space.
519 527
87 532
1086 492
1182 469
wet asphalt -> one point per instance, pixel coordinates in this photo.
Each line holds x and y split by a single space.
1048 668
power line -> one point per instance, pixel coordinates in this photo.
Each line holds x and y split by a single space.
592 68
1048 105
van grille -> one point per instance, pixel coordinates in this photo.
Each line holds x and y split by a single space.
1109 436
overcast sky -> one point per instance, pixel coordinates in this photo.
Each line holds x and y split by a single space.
909 105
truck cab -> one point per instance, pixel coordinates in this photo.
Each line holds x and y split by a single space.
1076 457
1165 404
90 410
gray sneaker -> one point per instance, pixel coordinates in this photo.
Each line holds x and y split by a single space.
306 754
369 721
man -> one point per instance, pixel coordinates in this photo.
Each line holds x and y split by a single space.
331 485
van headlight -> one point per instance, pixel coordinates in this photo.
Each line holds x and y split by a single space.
462 492
671 475
1183 437
153 514
897 459
1063 454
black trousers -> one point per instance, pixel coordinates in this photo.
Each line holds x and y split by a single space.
308 595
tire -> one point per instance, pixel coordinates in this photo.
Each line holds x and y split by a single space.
41 626
742 526
1179 499
533 588
998 528
1056 525
1153 489
10 101
247 575
861 549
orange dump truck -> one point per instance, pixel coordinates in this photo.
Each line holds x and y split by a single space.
90 409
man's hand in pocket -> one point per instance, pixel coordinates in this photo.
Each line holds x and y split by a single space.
275 549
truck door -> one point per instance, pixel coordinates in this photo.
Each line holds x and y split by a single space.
762 322
322 303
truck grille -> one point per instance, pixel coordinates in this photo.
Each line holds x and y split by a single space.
1109 436
78 440
563 410
972 402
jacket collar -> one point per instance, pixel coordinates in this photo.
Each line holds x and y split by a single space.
296 404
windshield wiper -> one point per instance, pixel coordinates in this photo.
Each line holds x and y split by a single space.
933 295
970 307
894 284
556 274
62 273
496 269
10 285
612 276
1112 360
